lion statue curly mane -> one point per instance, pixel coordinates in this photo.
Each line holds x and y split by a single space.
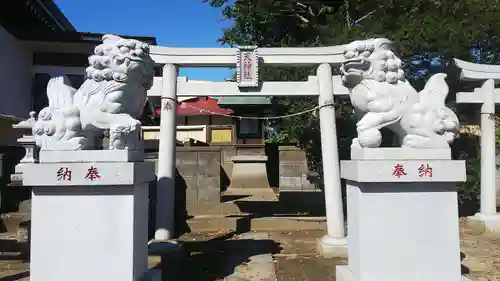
110 101
382 97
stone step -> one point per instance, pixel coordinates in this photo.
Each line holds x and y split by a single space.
250 194
8 236
262 209
270 203
13 263
9 244
244 201
248 223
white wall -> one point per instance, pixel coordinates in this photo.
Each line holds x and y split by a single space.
15 76
15 85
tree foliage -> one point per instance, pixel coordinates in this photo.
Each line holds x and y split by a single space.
427 35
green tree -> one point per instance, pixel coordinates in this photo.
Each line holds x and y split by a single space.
427 35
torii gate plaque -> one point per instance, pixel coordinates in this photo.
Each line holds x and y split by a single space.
247 67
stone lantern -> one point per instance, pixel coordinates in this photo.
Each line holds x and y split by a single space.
28 142
18 222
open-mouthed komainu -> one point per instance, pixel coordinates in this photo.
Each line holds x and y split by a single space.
382 97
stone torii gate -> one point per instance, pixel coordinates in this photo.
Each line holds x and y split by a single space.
246 60
488 97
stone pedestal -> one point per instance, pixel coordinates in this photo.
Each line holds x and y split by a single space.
331 247
249 171
402 215
488 223
89 215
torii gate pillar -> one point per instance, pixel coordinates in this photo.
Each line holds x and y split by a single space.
334 243
166 160
487 96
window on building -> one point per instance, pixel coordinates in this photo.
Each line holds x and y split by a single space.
39 91
249 127
39 85
76 80
180 120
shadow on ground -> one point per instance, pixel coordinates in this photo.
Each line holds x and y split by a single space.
214 258
14 260
16 277
463 269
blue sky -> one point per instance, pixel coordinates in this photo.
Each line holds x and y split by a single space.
175 23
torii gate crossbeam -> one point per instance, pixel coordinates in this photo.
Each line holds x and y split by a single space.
227 57
324 86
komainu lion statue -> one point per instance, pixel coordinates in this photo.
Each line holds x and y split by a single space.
110 101
382 97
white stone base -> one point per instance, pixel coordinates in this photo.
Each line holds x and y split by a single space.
89 228
490 223
396 153
397 230
402 227
79 156
77 174
329 247
89 233
342 273
382 170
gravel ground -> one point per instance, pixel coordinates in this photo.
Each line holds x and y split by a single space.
215 256
481 253
298 260
294 256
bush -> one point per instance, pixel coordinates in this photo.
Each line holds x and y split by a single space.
467 148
